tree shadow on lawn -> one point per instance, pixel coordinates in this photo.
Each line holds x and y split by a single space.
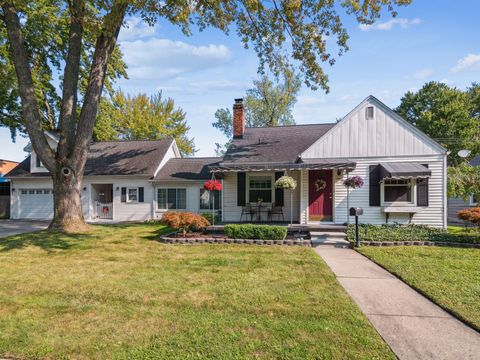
45 240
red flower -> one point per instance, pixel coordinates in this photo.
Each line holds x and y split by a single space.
212 185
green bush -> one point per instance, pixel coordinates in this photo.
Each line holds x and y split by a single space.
251 231
209 217
411 232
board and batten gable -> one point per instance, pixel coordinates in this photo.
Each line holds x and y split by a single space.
385 137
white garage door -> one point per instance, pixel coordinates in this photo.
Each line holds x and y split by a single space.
36 204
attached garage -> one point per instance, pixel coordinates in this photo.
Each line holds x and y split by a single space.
35 204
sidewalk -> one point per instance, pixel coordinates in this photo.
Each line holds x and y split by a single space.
413 326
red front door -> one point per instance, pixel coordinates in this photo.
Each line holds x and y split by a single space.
320 195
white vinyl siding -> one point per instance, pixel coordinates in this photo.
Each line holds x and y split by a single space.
384 135
432 215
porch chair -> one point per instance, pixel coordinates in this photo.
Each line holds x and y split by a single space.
275 211
247 211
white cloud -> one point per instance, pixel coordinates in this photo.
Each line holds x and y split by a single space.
390 24
160 59
469 62
423 74
136 28
308 100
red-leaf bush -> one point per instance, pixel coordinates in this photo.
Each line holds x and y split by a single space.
212 185
471 215
184 221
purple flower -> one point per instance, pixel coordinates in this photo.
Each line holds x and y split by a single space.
353 182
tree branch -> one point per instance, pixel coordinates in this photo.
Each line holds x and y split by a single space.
30 112
103 49
67 120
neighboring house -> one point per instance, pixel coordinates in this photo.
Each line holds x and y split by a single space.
5 167
404 172
457 204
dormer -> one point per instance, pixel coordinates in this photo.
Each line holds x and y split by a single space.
36 165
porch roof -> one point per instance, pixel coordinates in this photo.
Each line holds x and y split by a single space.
300 164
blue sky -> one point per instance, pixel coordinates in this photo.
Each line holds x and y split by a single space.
427 41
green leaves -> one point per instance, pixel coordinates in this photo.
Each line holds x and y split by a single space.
267 103
449 115
142 118
463 181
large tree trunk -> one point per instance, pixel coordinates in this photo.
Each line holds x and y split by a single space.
67 197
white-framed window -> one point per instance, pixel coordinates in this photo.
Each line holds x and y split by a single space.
398 192
473 200
36 191
132 195
171 199
260 187
206 200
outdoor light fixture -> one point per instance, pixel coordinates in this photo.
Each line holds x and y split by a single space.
117 188
84 188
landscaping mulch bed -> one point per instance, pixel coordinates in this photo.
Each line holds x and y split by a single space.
419 243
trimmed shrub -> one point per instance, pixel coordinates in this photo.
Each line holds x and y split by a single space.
471 215
410 232
251 231
184 221
209 217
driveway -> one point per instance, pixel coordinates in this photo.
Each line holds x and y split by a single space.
14 227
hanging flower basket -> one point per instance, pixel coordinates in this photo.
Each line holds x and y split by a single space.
286 183
353 182
212 185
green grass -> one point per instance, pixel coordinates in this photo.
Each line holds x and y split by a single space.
462 230
449 276
119 293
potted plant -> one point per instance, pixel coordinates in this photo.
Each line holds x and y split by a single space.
351 182
287 183
212 186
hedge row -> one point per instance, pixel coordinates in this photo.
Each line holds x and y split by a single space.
409 232
251 231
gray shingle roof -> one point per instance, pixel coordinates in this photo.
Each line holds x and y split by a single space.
281 144
114 158
187 169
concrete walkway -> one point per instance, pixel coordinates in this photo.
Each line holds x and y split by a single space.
413 326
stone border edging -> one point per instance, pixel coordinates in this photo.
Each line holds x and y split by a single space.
223 240
419 243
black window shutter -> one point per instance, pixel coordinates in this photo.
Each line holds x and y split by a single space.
278 192
241 189
374 185
124 194
422 190
140 194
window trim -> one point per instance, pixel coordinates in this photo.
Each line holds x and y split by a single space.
472 202
366 112
127 198
219 192
413 202
272 189
158 208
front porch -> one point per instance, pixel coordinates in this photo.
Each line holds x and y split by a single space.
251 196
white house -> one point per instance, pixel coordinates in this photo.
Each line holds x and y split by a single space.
404 173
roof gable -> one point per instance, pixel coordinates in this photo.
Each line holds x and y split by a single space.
387 134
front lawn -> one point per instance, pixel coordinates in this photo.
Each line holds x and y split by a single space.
118 293
449 276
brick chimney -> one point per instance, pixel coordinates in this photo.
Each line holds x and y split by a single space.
238 119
